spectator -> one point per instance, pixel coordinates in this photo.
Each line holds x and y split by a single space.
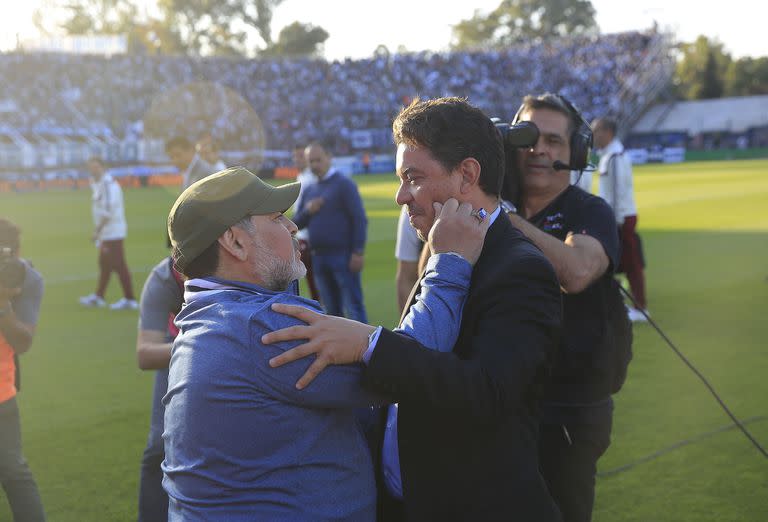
305 178
184 157
617 188
334 215
208 149
355 95
110 230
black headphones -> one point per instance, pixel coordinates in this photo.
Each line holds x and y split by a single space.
581 137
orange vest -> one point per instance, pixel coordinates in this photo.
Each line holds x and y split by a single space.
7 371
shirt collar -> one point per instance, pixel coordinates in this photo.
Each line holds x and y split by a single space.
494 215
208 286
614 147
331 172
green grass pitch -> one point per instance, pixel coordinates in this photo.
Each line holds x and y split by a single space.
85 404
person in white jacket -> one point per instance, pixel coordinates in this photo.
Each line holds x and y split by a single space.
109 233
617 189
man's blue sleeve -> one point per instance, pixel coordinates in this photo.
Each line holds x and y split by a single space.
434 320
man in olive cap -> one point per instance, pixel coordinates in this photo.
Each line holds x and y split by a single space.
241 441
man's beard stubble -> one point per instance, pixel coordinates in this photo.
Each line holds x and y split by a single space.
277 274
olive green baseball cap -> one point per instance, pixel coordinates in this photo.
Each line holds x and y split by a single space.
208 207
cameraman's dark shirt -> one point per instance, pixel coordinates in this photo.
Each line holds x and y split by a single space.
582 371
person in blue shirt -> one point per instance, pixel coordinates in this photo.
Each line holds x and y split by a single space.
332 212
242 443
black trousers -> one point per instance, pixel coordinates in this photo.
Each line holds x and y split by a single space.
568 457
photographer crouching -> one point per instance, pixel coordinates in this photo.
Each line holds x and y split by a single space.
21 291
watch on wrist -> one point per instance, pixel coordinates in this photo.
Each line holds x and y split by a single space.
508 207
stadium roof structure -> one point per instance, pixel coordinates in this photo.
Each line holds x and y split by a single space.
735 115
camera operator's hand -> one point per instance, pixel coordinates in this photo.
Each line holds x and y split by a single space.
6 294
458 229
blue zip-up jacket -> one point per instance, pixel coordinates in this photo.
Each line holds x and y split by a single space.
241 442
340 226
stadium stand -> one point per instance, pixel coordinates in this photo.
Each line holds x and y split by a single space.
56 109
734 123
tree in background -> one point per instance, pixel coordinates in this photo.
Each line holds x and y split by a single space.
216 27
747 77
701 69
514 21
298 39
193 27
705 70
107 17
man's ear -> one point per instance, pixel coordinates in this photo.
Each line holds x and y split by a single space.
469 169
232 241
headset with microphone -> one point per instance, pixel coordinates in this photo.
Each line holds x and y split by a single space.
581 139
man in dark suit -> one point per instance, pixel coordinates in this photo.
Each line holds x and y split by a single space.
461 442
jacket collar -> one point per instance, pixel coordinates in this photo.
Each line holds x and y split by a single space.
208 286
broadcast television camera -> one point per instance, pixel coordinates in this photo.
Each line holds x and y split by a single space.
515 136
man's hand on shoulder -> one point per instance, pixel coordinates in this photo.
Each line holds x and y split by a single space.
335 340
6 294
457 229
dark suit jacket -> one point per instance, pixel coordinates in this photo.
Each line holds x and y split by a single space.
467 419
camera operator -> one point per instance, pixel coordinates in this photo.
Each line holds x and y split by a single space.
21 291
577 233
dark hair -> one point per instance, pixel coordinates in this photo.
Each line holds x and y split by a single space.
9 236
178 142
607 123
453 130
203 265
552 102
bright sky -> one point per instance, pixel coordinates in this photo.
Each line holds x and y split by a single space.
358 26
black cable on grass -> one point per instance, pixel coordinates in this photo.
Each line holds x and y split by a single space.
698 374
679 444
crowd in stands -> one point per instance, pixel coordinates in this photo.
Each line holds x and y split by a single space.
301 99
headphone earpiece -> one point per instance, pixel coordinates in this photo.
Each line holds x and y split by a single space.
582 138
